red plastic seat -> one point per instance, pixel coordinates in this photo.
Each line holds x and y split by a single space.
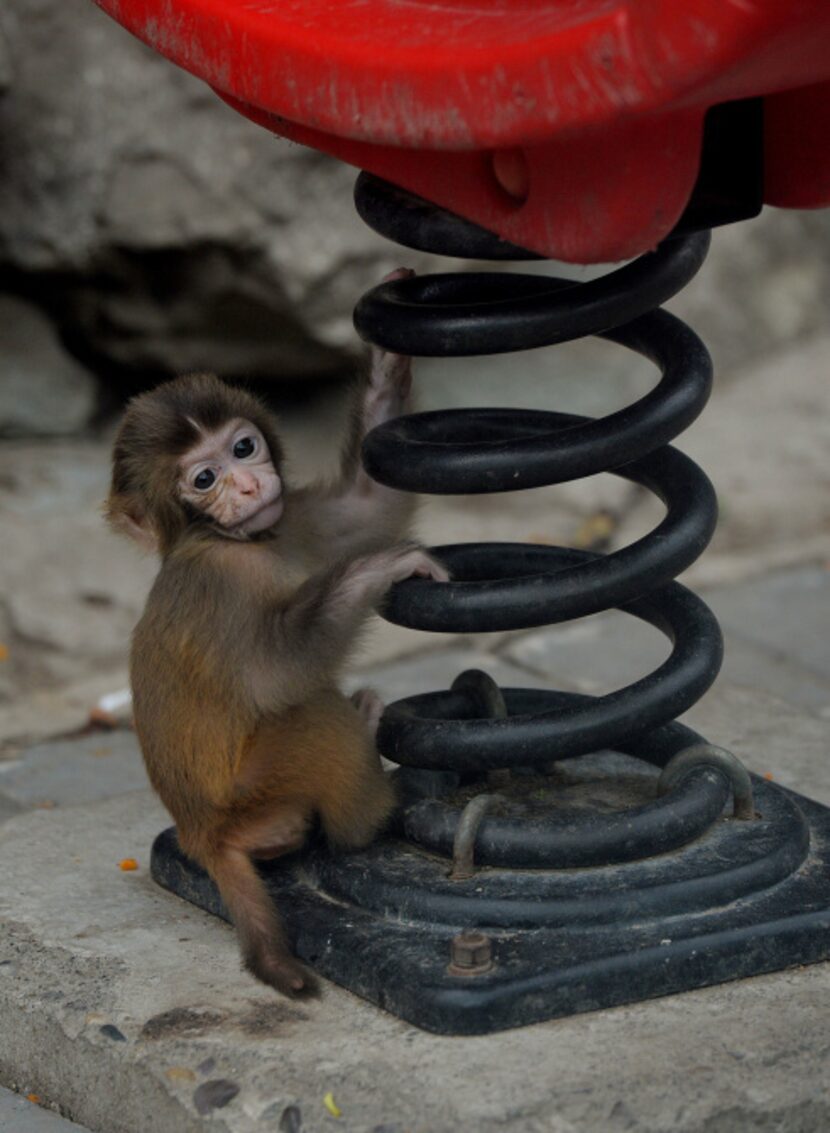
572 127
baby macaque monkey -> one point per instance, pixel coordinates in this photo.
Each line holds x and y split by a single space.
261 594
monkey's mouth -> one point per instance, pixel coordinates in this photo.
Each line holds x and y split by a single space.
263 518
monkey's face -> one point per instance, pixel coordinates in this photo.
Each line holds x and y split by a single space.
229 475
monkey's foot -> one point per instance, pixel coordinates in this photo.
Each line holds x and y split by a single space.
370 706
281 971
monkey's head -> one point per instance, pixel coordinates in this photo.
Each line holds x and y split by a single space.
195 450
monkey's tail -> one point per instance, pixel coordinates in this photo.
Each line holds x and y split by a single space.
265 951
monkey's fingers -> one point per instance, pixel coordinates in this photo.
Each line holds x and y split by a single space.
432 569
414 562
398 273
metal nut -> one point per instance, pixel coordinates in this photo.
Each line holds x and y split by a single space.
471 954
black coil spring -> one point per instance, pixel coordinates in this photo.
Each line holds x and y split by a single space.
507 586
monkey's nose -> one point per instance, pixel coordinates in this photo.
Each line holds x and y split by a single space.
246 483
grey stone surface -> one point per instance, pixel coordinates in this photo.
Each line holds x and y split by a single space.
44 391
50 712
70 591
776 634
84 948
763 440
594 655
761 288
787 613
18 1115
8 808
127 1008
68 772
770 735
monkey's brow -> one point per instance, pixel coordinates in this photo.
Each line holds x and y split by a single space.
220 436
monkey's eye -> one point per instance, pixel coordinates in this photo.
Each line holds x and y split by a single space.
206 479
246 446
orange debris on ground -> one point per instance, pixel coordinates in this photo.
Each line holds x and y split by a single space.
98 718
128 864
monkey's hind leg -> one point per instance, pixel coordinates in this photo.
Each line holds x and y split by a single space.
356 796
265 951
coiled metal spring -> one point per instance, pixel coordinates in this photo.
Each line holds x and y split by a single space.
474 728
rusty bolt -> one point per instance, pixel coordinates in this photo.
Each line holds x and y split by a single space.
471 954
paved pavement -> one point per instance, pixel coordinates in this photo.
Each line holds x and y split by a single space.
22 1115
126 1007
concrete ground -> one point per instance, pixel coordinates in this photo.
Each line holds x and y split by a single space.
125 1009
26 1115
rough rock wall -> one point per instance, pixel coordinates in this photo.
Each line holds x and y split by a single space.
160 232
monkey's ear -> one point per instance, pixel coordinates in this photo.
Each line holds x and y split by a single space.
128 517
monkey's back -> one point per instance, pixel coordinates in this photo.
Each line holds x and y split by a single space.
191 717
209 743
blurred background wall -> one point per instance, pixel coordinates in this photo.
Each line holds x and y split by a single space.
146 229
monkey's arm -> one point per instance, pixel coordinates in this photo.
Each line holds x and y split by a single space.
312 631
355 514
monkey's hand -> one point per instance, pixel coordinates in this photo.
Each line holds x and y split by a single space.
368 578
327 611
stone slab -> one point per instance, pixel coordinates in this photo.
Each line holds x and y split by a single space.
776 634
129 1008
47 712
8 808
68 772
771 736
787 613
19 1115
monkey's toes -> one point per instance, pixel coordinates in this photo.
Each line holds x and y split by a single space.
304 986
285 974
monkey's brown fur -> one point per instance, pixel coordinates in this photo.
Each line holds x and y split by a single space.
236 659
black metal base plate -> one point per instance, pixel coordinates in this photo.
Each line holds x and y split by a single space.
555 960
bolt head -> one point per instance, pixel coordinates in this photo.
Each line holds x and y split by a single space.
470 953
